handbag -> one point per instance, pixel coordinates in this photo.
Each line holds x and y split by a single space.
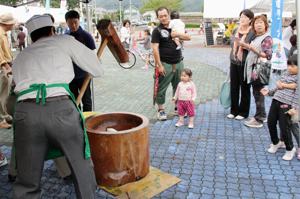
261 72
225 99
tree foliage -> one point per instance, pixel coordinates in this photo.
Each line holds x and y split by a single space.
10 2
53 3
72 4
154 4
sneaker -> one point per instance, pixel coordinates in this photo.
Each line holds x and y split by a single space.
273 148
253 123
191 126
281 145
298 154
3 162
289 155
178 47
161 115
265 120
239 117
230 116
179 124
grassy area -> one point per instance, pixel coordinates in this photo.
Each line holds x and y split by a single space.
192 25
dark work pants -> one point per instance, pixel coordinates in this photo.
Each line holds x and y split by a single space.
260 113
238 87
75 87
278 113
56 124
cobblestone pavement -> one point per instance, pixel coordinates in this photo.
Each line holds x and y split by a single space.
132 90
219 158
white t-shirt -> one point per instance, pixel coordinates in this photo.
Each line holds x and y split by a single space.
50 60
286 35
177 25
125 34
25 30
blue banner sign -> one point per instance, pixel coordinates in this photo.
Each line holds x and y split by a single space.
279 57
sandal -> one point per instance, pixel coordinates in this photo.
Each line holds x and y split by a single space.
4 125
8 119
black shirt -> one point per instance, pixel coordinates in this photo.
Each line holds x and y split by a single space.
85 38
167 47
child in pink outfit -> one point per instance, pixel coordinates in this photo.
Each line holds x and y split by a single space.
185 96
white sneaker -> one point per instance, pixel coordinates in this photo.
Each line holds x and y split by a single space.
273 148
239 117
178 47
161 115
265 120
253 123
191 126
281 145
289 155
230 116
179 124
3 162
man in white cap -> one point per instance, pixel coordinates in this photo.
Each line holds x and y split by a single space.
6 24
45 117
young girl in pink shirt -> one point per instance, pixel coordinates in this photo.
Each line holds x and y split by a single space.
185 96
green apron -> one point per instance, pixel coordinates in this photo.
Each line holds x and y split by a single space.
41 95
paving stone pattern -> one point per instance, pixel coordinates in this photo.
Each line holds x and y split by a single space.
219 158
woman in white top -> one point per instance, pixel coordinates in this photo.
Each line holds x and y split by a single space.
287 34
125 33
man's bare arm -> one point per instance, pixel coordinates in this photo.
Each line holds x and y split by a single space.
156 55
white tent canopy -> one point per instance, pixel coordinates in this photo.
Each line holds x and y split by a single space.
23 13
226 9
232 8
266 6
